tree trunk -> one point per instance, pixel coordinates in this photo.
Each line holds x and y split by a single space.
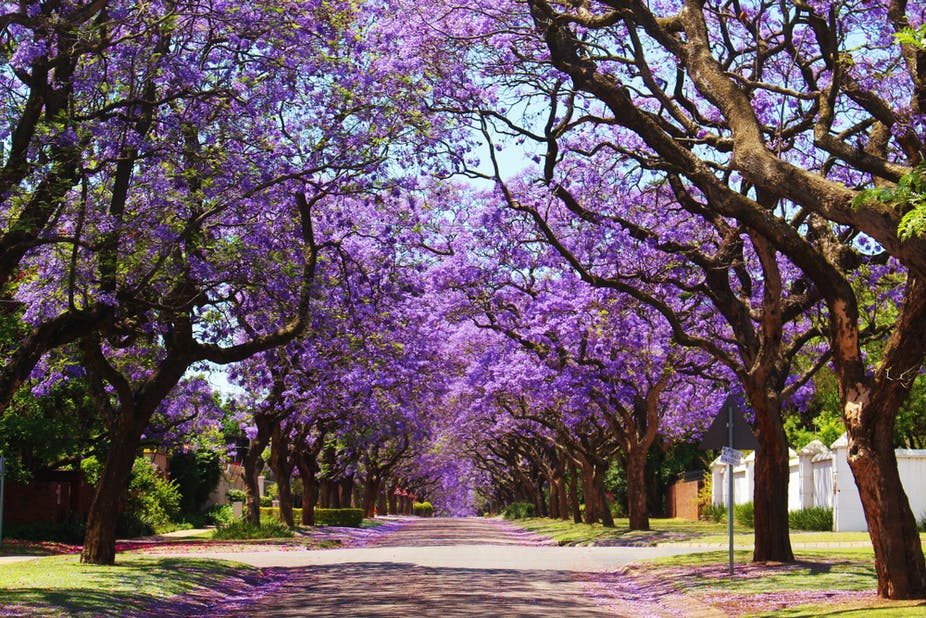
346 492
392 500
870 405
604 511
770 495
891 522
253 464
574 492
554 497
324 491
370 489
637 510
282 465
381 508
540 504
100 537
589 490
307 474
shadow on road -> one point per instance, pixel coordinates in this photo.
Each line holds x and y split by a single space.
391 590
463 531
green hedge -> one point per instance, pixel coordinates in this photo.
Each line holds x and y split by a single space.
815 518
518 510
274 512
423 509
745 514
350 518
241 529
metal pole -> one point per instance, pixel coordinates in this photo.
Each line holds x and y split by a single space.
2 479
730 492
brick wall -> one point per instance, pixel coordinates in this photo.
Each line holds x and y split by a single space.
50 498
683 499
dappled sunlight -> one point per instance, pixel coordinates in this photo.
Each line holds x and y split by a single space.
375 589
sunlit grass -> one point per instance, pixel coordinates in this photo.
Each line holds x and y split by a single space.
876 609
851 569
672 531
60 585
662 531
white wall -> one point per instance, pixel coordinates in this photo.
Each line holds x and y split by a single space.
820 477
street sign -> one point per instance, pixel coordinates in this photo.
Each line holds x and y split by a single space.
730 432
731 456
718 434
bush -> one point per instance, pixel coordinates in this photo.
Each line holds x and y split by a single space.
706 498
744 514
814 518
236 495
274 512
713 512
266 501
151 502
423 509
196 475
217 515
241 529
518 510
70 531
349 518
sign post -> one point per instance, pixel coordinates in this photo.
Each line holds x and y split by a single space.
730 465
2 480
729 432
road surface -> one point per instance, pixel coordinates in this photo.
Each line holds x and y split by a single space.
445 567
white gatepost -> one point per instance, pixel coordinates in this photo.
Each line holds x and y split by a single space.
806 478
911 465
848 515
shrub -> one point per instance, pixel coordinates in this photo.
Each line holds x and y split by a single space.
217 515
518 510
274 512
266 501
814 518
706 497
423 509
744 514
713 512
151 502
236 495
70 531
196 475
241 529
350 518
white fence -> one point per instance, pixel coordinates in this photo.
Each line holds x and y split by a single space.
820 477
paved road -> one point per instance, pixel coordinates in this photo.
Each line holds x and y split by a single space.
444 567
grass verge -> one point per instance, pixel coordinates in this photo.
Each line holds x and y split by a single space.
60 585
670 531
663 531
835 581
832 582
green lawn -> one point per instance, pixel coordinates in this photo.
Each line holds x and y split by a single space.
663 531
671 531
835 581
57 585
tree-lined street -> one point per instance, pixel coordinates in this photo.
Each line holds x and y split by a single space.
445 567
334 259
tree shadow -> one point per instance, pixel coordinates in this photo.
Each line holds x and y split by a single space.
389 590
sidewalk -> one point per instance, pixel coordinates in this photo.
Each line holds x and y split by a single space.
750 546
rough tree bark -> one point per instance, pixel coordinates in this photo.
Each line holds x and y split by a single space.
282 464
870 409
